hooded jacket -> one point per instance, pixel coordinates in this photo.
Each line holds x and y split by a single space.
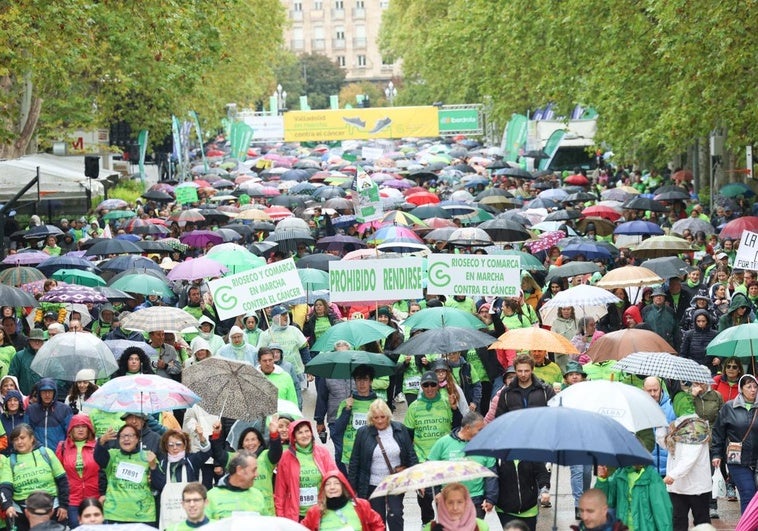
729 319
48 421
662 320
89 483
696 339
11 421
689 462
215 342
635 314
648 504
732 425
370 519
287 487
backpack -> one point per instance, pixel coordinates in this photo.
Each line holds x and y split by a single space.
43 452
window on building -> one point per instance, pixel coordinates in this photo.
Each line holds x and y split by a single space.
297 6
360 4
361 60
341 61
339 34
318 5
339 4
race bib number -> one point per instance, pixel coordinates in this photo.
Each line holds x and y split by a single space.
130 472
308 496
359 420
414 382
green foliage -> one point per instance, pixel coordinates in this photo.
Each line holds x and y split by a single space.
321 78
128 189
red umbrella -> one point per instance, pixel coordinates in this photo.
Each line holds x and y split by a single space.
577 180
202 183
415 190
601 212
736 227
682 175
422 198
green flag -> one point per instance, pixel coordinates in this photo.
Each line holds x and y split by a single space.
242 134
551 146
515 137
199 132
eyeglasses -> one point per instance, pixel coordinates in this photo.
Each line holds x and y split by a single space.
732 366
127 436
429 384
175 444
194 500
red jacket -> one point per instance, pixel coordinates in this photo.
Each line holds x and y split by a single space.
88 484
729 392
370 519
287 486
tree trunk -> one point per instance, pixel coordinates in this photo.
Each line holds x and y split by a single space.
29 117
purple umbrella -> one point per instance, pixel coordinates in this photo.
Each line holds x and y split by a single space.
112 204
398 183
74 294
26 258
193 269
201 238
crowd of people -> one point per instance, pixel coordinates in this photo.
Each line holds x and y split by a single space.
71 463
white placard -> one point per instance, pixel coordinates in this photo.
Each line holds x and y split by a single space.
747 252
375 280
474 275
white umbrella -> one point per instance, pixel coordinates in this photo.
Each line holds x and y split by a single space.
630 406
586 301
245 521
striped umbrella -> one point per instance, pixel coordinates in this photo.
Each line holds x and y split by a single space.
16 276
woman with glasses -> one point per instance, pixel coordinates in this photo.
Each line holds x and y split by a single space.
128 497
726 382
175 469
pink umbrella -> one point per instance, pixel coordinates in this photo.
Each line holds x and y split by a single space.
546 241
193 269
277 212
749 519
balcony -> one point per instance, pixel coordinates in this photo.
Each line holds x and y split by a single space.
338 44
296 16
359 13
338 14
318 44
359 43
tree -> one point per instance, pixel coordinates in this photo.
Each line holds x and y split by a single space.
321 78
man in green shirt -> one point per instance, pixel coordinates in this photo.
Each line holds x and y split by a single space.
235 491
428 419
194 503
351 415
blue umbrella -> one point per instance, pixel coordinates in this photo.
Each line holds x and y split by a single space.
639 228
560 435
591 251
129 261
129 237
54 263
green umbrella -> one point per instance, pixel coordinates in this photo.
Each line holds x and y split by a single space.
341 364
119 214
16 276
439 317
356 332
736 189
80 277
740 341
477 217
237 261
313 279
143 284
528 261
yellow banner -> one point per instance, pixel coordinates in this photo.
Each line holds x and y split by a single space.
357 124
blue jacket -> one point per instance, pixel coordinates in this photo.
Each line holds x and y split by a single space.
660 453
48 422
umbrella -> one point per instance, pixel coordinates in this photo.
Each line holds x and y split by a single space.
357 332
79 277
442 234
659 246
682 175
673 195
153 246
559 435
586 301
430 211
313 279
16 276
143 284
736 227
617 194
735 190
66 354
590 250
518 173
159 318
26 258
341 242
235 257
740 341
119 214
644 203
628 405
112 204
580 197
431 474
245 522
554 194
196 268
340 364
563 215
155 273
667 267
444 340
316 261
470 237
43 231
143 393
128 261
394 234
288 239
603 227
629 276
157 196
429 318
532 338
577 179
528 261
201 238
665 365
572 269
74 294
118 346
619 344
545 241
694 225
113 295
231 389
601 212
639 228
113 246
405 219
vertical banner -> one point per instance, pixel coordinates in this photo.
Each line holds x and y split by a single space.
142 142
199 133
368 204
242 134
551 146
334 102
515 137
177 139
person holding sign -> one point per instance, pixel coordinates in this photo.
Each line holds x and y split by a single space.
351 414
300 472
127 470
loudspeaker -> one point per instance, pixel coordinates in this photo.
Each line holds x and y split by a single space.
92 166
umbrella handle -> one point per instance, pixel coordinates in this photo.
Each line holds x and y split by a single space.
223 407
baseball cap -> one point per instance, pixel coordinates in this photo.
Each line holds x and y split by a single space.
428 377
278 310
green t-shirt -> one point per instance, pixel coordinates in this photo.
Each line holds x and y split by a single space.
341 519
222 502
182 526
549 373
6 355
128 497
449 448
310 479
428 425
32 472
477 366
102 420
357 419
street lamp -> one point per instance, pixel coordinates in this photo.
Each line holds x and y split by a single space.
281 99
390 92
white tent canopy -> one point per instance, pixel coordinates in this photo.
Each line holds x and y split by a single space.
60 177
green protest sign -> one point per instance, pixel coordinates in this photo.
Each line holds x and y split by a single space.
185 194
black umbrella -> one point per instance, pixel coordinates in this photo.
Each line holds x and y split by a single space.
316 261
214 215
154 246
245 230
563 215
16 298
517 173
464 168
515 215
505 230
644 203
288 240
54 263
152 229
43 231
673 195
498 192
289 201
580 197
157 195
572 269
444 340
262 226
341 242
261 248
113 246
431 211
536 154
666 267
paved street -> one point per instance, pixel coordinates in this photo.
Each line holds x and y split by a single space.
729 511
